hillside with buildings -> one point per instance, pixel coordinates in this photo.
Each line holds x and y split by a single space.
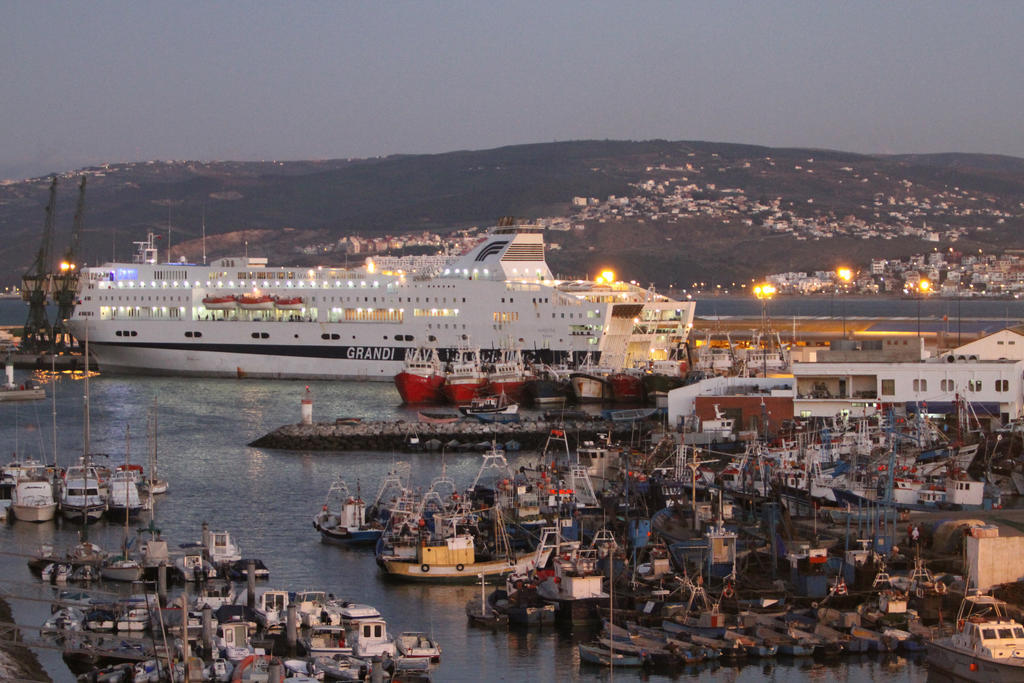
663 212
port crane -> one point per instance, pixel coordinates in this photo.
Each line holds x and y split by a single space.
65 281
35 286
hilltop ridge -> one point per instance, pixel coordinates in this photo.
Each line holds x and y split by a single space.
682 210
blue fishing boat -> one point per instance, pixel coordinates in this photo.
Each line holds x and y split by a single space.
596 654
342 519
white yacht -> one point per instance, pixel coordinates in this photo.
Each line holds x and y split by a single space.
81 496
242 317
123 496
32 501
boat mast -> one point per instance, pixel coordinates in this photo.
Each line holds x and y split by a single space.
53 404
125 480
85 443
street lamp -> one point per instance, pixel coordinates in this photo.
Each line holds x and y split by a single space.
764 293
923 287
844 275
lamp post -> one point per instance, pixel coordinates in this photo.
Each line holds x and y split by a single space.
764 293
844 275
923 287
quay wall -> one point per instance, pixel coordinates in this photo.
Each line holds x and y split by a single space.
17 662
396 436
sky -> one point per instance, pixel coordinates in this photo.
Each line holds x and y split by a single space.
104 81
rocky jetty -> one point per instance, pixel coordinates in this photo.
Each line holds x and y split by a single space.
530 434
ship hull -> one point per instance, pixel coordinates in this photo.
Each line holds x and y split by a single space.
464 392
415 388
590 388
293 361
413 571
514 389
962 666
626 388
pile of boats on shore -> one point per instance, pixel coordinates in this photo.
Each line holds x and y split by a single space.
218 630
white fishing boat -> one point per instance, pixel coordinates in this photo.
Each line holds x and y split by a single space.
986 646
361 323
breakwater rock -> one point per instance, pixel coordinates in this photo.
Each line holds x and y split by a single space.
400 435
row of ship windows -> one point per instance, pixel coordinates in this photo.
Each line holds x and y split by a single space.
335 336
137 298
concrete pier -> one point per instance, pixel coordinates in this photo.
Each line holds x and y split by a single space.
413 436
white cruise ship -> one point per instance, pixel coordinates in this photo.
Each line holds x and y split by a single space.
241 317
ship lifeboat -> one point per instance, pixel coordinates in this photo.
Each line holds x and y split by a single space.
256 302
219 303
288 303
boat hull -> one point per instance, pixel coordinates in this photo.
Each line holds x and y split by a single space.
590 388
415 388
469 573
127 573
345 537
965 667
222 353
659 385
92 513
463 392
626 388
17 394
34 513
547 392
514 389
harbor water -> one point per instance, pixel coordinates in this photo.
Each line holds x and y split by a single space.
266 499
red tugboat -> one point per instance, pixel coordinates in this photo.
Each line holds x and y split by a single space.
421 379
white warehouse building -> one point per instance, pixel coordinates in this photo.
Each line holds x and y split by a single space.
825 389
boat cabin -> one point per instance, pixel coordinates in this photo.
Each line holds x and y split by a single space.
995 638
221 549
370 639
